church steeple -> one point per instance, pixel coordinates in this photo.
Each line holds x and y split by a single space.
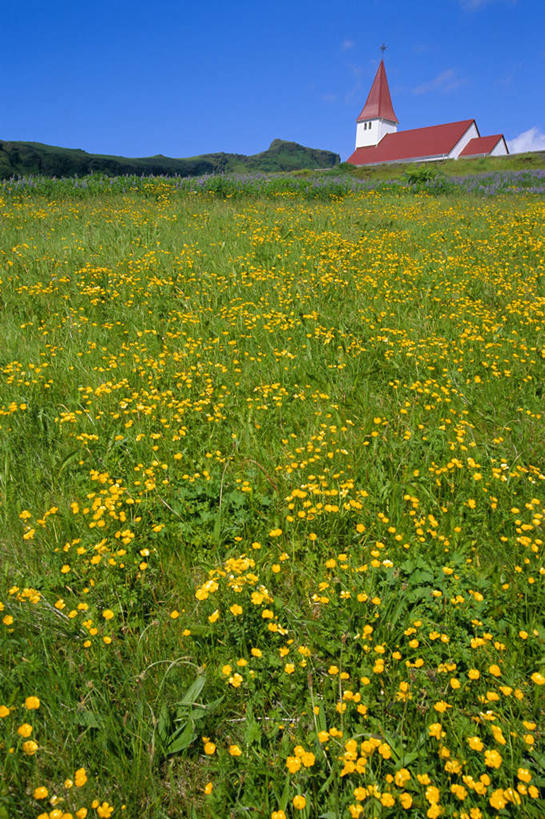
377 117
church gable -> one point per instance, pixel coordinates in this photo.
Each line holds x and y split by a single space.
486 146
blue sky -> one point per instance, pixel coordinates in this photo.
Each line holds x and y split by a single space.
180 77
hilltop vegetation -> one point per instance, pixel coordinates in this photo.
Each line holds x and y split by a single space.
271 503
534 161
24 158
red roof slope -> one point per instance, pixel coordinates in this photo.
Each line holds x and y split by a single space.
436 141
379 102
481 146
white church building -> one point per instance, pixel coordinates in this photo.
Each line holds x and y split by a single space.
378 140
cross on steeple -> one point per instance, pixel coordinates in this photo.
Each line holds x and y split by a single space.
383 49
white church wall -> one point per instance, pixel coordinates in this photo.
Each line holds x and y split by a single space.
500 149
371 131
471 133
386 127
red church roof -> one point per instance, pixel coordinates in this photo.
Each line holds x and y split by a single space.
379 102
481 146
435 141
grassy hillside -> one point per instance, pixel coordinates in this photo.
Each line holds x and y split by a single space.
24 158
453 167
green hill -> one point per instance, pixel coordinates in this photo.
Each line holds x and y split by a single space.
24 158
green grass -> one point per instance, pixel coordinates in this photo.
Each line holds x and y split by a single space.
271 478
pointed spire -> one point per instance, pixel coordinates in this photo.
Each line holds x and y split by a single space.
379 103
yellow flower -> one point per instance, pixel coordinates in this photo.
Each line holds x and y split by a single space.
234 750
538 678
105 810
402 777
497 799
308 759
384 750
32 703
107 614
441 706
41 793
475 743
209 748
80 777
432 794
293 764
24 730
406 800
278 814
492 759
299 802
30 747
323 736
208 788
235 609
498 734
524 775
4 711
275 532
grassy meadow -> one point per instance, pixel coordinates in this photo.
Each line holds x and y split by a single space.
272 503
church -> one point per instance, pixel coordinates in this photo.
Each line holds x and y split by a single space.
378 140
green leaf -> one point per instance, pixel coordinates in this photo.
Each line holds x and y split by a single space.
192 693
252 728
163 723
68 460
88 719
285 794
183 740
320 720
